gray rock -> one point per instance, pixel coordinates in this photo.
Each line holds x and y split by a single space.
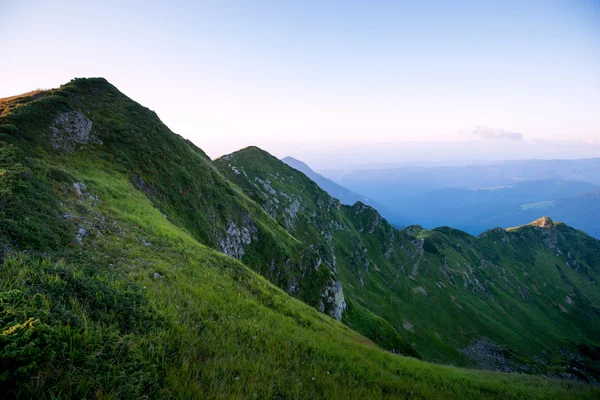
332 300
237 238
489 355
79 189
81 233
69 130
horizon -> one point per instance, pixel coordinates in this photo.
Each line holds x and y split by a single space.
399 154
511 81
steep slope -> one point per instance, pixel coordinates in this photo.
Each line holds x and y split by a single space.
107 291
456 298
176 175
344 195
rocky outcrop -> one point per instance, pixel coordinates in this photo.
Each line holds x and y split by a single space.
548 229
70 130
489 355
145 187
238 237
332 300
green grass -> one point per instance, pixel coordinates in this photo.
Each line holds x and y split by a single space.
100 325
440 295
145 306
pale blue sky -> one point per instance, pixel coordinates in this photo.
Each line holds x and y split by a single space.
231 74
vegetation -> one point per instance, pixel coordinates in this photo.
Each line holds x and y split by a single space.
111 284
504 300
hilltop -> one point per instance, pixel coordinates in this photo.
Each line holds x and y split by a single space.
134 266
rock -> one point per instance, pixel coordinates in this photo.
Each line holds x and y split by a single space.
374 222
81 233
141 184
549 231
420 289
70 130
157 276
237 238
332 300
79 189
489 355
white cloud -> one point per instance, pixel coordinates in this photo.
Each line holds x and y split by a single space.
483 132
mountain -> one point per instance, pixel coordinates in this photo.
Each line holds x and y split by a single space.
476 210
344 195
479 197
392 184
132 266
423 281
581 211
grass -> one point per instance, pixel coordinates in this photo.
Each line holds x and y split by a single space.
142 305
208 328
421 282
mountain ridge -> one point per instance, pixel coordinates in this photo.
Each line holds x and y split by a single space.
115 278
341 193
427 251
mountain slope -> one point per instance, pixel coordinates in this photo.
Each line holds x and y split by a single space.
422 282
110 287
339 192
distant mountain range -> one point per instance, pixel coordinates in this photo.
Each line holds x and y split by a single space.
480 197
346 196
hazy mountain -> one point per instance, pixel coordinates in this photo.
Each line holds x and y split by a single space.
476 210
131 265
477 198
344 195
581 211
390 185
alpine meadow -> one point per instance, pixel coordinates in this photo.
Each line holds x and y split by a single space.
134 266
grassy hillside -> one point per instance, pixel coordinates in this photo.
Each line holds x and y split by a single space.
111 284
503 301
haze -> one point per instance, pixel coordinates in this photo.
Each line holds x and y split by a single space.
336 83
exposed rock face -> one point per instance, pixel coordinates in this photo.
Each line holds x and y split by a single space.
374 222
80 189
142 185
237 238
332 300
489 355
69 130
80 235
543 222
547 226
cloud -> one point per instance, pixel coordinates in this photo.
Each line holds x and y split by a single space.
483 132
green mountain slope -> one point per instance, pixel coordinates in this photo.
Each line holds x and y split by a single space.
504 300
113 283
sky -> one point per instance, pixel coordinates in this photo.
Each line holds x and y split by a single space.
332 82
